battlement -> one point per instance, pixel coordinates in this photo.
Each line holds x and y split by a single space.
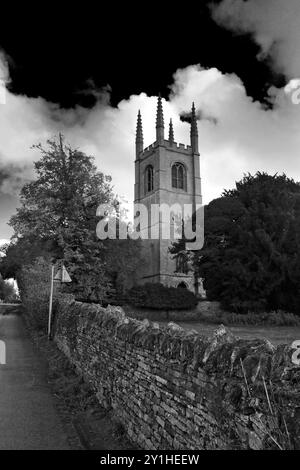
179 147
175 146
149 148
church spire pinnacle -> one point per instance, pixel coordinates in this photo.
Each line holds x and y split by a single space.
159 122
139 139
171 132
194 130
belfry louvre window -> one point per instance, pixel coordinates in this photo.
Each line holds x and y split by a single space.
149 179
178 176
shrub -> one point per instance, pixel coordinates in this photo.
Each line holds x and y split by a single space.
34 286
157 296
251 255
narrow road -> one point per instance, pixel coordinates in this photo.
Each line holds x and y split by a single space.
28 418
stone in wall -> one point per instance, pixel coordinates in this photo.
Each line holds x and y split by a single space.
176 389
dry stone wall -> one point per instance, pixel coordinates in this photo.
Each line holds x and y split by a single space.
176 389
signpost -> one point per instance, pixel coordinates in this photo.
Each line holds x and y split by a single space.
62 276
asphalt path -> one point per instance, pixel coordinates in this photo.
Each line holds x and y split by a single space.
28 418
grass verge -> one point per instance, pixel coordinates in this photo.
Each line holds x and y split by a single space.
87 424
279 318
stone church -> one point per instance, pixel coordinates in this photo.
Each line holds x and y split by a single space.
166 172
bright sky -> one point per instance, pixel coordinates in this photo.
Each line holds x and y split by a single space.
236 134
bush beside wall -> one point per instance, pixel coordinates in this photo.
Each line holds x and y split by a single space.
158 296
34 286
203 312
173 389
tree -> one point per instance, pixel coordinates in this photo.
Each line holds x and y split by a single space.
57 221
23 251
185 259
58 215
251 255
65 195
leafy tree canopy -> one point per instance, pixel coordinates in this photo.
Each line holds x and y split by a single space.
65 194
57 219
251 255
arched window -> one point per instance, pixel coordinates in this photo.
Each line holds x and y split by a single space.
178 176
149 179
182 285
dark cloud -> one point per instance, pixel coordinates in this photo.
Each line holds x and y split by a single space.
274 24
200 115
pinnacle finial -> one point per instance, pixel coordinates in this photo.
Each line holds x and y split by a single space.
159 121
159 113
139 127
139 139
194 130
194 118
171 132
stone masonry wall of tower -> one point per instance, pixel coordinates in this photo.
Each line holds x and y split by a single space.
157 182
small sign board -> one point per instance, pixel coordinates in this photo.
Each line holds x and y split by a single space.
62 275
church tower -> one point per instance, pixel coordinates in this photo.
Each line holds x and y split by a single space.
166 172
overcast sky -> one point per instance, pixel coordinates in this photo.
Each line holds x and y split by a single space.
238 133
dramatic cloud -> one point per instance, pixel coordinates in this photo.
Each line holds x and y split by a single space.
4 74
236 134
275 25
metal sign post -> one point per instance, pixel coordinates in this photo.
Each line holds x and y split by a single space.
50 301
62 276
